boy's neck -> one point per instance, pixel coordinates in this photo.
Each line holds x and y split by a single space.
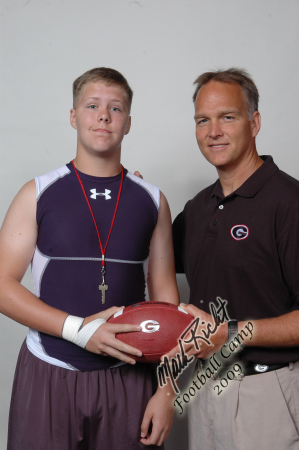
98 166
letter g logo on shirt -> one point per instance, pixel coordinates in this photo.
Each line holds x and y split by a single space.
239 232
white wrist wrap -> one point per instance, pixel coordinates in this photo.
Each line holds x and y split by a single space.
70 328
72 325
87 331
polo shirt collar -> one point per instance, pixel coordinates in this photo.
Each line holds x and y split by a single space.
254 183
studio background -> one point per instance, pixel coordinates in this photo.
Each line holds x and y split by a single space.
160 46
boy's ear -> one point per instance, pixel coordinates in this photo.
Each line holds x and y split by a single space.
128 126
73 118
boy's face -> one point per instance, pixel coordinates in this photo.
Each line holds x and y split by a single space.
101 118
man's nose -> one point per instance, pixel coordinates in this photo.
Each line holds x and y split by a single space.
215 129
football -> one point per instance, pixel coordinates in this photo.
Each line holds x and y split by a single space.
161 323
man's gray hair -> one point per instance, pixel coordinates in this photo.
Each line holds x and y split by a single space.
232 75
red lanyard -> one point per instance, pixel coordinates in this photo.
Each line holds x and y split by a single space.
103 250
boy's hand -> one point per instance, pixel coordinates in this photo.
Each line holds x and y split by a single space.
159 413
104 342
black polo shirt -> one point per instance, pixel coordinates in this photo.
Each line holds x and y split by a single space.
244 248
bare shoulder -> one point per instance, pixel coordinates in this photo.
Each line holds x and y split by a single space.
18 233
164 210
23 206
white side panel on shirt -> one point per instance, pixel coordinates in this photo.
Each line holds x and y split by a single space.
46 180
38 266
150 188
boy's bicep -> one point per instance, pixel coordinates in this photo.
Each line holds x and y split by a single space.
18 233
161 275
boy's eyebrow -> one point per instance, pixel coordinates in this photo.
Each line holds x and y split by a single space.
97 98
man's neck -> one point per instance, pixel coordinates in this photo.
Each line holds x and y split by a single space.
98 166
232 179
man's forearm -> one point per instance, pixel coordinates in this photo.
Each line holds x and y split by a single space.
282 331
21 305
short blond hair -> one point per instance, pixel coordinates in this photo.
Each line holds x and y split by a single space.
107 76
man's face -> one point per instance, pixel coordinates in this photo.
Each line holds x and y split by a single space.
101 118
224 133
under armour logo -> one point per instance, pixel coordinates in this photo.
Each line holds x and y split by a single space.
239 232
94 194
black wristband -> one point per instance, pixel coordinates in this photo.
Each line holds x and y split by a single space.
232 326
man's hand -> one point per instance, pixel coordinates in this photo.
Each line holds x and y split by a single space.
216 340
104 342
138 174
159 413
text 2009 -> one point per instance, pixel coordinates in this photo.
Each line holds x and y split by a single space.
229 376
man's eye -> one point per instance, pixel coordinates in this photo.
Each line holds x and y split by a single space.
201 121
228 117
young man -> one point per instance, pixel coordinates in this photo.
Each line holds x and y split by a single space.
93 232
238 240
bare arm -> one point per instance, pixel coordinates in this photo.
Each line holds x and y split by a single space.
281 331
162 287
161 271
18 238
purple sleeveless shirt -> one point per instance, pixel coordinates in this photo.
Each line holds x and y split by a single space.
67 262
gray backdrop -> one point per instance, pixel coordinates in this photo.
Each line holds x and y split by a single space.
161 46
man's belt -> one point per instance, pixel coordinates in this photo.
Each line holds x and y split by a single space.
249 368
255 369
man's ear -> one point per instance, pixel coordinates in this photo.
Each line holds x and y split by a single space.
73 118
255 123
128 126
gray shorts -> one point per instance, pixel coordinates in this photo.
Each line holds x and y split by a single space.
59 409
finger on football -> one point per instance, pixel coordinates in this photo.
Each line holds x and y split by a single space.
123 327
172 353
107 313
177 350
191 309
124 348
112 351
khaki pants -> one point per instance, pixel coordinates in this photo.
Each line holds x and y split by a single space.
257 412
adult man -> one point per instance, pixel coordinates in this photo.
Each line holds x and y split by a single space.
89 250
237 240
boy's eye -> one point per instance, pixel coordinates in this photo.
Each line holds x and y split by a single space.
92 106
114 108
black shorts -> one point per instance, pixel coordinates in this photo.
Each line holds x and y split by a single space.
59 409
